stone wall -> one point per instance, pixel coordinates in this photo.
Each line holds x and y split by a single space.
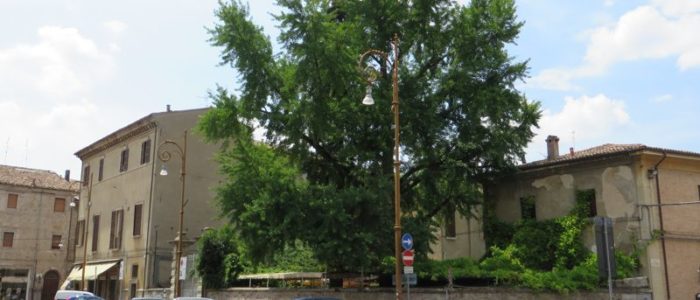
481 293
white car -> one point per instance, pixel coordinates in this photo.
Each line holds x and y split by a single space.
65 294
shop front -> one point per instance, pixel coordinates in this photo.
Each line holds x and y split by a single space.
102 279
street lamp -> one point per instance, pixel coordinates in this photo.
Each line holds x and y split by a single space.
164 155
368 100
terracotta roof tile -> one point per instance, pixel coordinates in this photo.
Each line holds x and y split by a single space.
601 151
26 177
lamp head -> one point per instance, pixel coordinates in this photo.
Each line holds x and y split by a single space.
368 100
163 170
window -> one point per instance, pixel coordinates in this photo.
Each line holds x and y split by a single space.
124 162
132 291
79 233
86 176
146 152
59 205
7 239
450 223
115 232
528 210
138 208
589 197
699 192
12 200
134 271
95 231
100 172
56 242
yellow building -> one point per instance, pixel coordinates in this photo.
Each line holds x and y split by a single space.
36 222
130 213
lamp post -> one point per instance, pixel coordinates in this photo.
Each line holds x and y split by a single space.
368 100
164 156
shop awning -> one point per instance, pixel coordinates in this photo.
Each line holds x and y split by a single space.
75 274
91 270
94 270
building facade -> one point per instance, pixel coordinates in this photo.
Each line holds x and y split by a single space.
37 219
130 218
651 194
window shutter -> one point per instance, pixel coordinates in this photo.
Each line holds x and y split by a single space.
95 231
137 219
12 200
59 205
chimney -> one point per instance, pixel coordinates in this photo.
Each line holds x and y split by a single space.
67 176
571 151
552 147
167 108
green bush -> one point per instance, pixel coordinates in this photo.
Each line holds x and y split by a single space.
439 269
498 233
627 265
581 277
569 249
503 265
537 244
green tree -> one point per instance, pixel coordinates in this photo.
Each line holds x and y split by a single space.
323 176
218 262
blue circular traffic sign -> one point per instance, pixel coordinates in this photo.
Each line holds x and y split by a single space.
407 241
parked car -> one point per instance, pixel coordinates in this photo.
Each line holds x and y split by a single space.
65 294
146 298
85 297
192 298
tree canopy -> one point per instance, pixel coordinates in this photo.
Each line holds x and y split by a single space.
323 174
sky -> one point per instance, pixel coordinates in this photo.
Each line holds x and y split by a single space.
74 71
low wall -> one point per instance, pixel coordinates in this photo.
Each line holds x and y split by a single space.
477 293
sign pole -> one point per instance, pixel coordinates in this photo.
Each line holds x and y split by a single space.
607 258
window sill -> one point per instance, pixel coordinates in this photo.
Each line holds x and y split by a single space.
451 238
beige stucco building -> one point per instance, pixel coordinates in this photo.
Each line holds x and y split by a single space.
459 236
129 215
652 195
36 229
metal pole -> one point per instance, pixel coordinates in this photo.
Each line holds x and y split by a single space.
397 167
607 256
85 233
178 252
397 158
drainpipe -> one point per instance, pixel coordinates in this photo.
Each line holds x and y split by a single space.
661 224
147 280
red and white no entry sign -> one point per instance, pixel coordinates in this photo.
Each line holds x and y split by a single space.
408 258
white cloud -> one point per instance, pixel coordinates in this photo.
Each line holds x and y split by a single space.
61 64
659 30
662 98
115 26
589 118
47 95
609 2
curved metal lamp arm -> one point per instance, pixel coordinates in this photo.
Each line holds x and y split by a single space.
371 76
164 155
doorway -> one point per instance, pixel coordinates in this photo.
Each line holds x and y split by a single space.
48 291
